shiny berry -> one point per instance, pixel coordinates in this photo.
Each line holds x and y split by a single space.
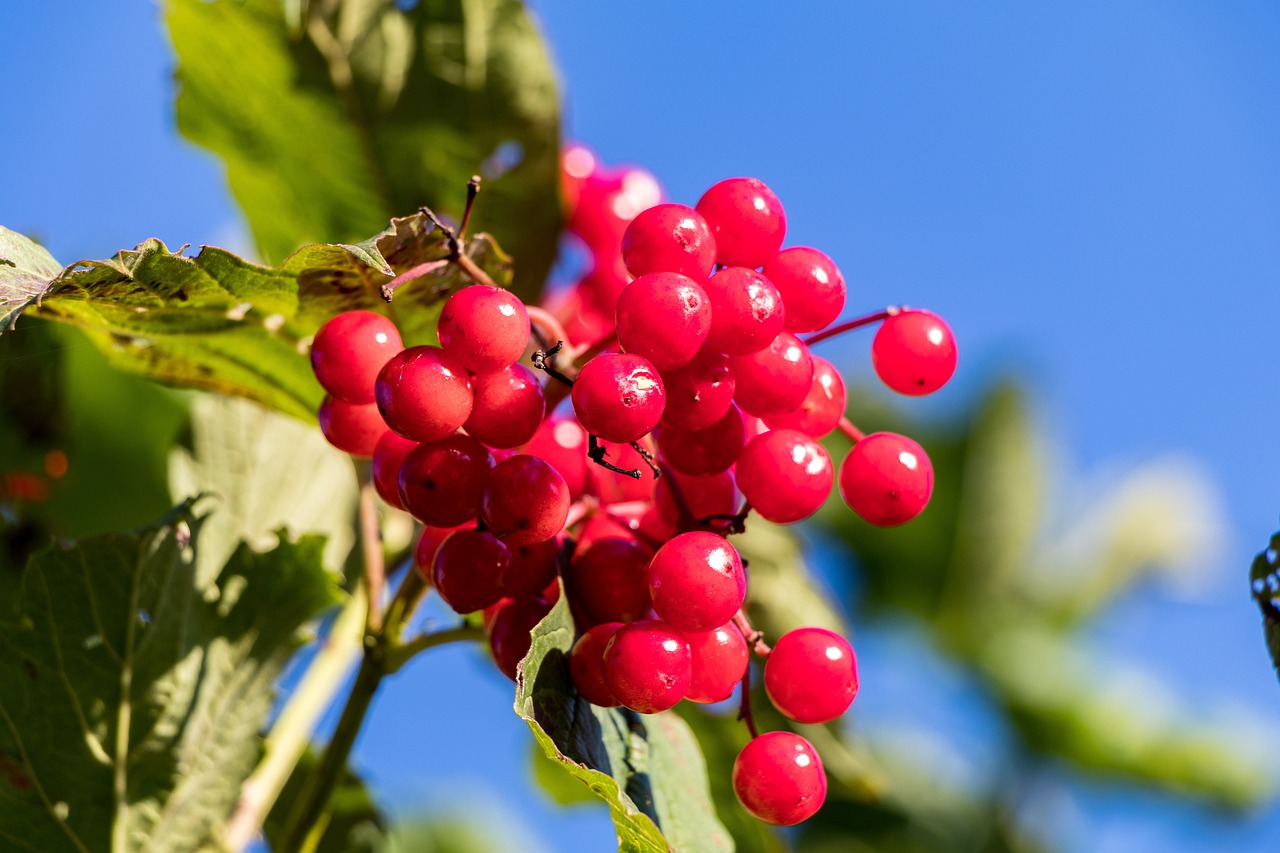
562 442
696 581
811 285
914 352
348 352
703 452
524 501
746 220
820 411
533 568
485 328
699 393
746 311
388 456
664 317
441 481
618 397
607 579
669 238
719 660
775 379
778 777
886 479
811 675
510 632
508 408
470 569
785 475
353 428
647 666
424 393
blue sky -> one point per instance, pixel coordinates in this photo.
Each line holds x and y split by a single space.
1089 192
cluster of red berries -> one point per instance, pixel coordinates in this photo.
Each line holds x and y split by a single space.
687 330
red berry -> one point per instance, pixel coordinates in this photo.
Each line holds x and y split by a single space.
562 442
696 581
703 452
508 408
811 675
719 660
533 568
423 393
664 317
669 238
510 632
811 286
353 428
470 569
746 219
388 456
647 666
485 328
348 352
441 481
914 352
612 487
746 311
778 777
886 479
822 408
618 397
524 501
699 393
586 665
775 379
606 580
424 553
577 162
609 200
785 475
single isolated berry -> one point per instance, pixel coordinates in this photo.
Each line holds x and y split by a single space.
647 666
886 479
811 675
618 397
785 475
424 393
485 328
914 352
696 581
778 777
349 350
746 220
669 238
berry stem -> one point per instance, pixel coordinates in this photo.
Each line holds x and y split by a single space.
596 453
855 323
744 707
545 360
647 456
754 638
850 430
411 275
402 654
546 328
686 522
736 523
375 570
456 254
473 190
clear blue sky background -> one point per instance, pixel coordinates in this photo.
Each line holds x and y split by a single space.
1088 191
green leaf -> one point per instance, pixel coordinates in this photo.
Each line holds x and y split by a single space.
26 269
1264 580
647 769
268 472
352 822
364 110
220 323
132 700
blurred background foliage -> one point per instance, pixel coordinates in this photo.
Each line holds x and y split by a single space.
330 118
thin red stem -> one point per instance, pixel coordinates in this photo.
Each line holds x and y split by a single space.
411 275
856 323
754 638
850 430
744 708
543 321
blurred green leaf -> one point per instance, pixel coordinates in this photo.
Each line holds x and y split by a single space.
220 323
26 269
1264 580
366 110
646 768
133 698
351 820
267 472
445 834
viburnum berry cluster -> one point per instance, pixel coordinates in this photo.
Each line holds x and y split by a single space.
679 365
